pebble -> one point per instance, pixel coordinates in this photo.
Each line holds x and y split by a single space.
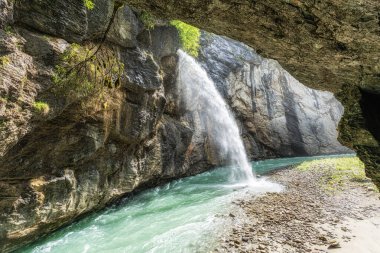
334 245
245 239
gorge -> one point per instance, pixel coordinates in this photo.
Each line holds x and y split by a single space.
96 104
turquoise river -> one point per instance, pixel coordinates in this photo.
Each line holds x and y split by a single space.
185 215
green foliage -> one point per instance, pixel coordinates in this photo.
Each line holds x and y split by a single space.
148 20
337 172
89 4
41 107
2 124
3 100
81 73
189 36
9 30
66 78
4 61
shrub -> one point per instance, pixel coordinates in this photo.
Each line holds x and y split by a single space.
81 73
41 107
9 30
148 20
89 4
189 36
4 60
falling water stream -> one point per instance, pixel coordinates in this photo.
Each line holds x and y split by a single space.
201 97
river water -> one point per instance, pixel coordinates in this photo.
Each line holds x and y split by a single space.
185 215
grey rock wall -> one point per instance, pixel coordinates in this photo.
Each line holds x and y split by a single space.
278 115
82 154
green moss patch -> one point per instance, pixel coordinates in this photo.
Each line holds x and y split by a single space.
41 107
338 172
189 35
89 4
4 61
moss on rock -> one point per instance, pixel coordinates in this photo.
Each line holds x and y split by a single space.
41 107
338 172
189 35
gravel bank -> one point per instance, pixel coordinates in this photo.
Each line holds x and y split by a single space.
307 217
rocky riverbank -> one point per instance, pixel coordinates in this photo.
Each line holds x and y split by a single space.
326 205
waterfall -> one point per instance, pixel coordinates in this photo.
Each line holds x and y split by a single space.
200 97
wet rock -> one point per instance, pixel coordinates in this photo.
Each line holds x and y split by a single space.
141 70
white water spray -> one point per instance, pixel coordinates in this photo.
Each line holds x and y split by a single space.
200 96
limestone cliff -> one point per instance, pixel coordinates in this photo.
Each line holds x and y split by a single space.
279 116
64 153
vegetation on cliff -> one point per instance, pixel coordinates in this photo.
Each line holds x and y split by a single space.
148 20
4 60
89 4
84 70
189 36
41 107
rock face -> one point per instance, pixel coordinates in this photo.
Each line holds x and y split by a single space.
74 22
331 45
279 116
80 154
